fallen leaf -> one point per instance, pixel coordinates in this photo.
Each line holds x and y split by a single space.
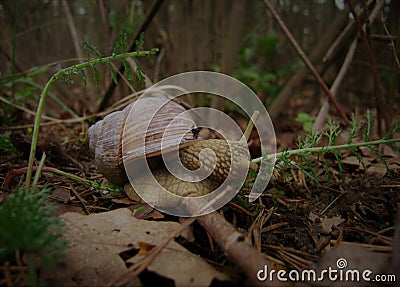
123 200
352 162
325 224
366 151
102 246
394 164
60 195
388 151
377 170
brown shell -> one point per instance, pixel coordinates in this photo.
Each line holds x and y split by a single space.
106 136
150 127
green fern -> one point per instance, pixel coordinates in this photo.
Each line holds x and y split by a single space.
28 228
309 153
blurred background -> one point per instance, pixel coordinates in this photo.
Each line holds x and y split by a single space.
239 38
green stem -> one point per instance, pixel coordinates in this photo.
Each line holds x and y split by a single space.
78 179
326 148
39 170
10 176
45 91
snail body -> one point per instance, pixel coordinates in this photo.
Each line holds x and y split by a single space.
117 142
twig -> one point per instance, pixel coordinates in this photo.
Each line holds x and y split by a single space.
322 115
250 126
149 17
316 54
303 56
332 202
342 38
16 172
390 38
81 200
323 112
72 29
339 42
384 38
236 248
380 94
78 49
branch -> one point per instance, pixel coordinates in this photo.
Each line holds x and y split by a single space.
378 84
343 70
323 112
305 59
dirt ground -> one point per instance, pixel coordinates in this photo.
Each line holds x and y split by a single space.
293 223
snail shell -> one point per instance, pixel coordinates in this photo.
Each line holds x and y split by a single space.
105 137
118 142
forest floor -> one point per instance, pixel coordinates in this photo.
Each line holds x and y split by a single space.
294 223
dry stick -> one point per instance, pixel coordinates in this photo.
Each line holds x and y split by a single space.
323 113
391 41
384 38
316 55
305 59
342 38
378 84
236 247
250 126
78 50
149 17
340 41
74 34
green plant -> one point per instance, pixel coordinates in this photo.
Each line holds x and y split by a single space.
29 229
67 74
27 90
306 120
255 68
308 152
6 147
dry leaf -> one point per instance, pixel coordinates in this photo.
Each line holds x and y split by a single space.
325 224
377 170
388 151
102 246
394 164
352 162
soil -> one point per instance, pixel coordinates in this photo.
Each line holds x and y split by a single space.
293 217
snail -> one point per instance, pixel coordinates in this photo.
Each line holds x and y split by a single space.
118 142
